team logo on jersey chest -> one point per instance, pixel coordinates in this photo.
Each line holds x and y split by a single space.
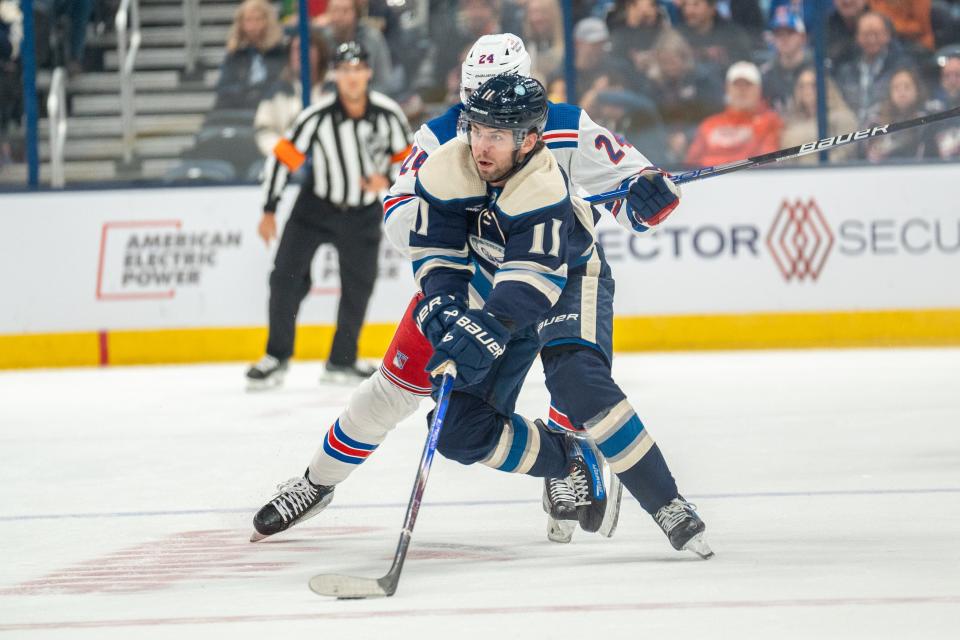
489 251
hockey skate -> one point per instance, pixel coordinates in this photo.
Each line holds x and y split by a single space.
296 500
586 478
346 373
684 528
596 501
560 505
267 373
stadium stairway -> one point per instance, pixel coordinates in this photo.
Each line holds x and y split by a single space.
170 105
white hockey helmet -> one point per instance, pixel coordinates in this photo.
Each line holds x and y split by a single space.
490 56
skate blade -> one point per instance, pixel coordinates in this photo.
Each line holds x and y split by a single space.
560 530
264 385
342 379
256 536
611 515
699 546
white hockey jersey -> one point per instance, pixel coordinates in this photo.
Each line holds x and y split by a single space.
593 159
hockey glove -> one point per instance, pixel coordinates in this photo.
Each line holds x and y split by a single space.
651 198
474 341
435 314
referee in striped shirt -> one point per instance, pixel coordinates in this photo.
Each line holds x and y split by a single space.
354 140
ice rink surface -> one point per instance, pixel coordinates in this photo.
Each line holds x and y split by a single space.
829 482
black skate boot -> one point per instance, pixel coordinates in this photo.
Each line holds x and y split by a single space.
586 478
559 499
684 528
297 499
267 373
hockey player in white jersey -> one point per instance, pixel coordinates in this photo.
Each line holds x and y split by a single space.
594 160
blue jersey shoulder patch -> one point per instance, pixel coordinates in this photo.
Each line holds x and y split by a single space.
561 115
444 126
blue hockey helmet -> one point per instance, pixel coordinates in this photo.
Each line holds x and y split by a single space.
506 101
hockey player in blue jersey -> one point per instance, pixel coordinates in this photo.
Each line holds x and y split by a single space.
594 160
509 268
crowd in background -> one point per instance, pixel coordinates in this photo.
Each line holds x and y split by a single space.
690 82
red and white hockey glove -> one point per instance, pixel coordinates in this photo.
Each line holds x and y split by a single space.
651 198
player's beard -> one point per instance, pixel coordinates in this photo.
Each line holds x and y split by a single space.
495 171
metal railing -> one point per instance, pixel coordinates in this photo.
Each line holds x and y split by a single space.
191 32
57 121
128 43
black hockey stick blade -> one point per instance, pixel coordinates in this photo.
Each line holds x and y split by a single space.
780 155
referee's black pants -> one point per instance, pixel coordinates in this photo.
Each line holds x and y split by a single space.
355 233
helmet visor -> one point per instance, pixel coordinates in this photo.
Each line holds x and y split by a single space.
471 129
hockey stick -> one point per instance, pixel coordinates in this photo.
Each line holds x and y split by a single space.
790 152
350 587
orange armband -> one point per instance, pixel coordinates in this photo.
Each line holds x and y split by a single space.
400 155
288 154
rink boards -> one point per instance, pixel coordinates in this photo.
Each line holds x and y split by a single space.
763 258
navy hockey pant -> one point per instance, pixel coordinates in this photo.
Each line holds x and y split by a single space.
578 377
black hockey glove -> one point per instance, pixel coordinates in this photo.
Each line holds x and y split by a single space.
435 314
474 342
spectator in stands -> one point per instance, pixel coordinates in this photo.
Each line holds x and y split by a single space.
747 127
747 15
910 18
455 28
11 87
284 102
634 118
255 56
863 79
403 25
801 124
714 39
685 91
635 26
780 73
611 80
842 29
344 25
944 137
905 100
945 16
807 9
543 37
592 59
77 13
557 89
290 11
